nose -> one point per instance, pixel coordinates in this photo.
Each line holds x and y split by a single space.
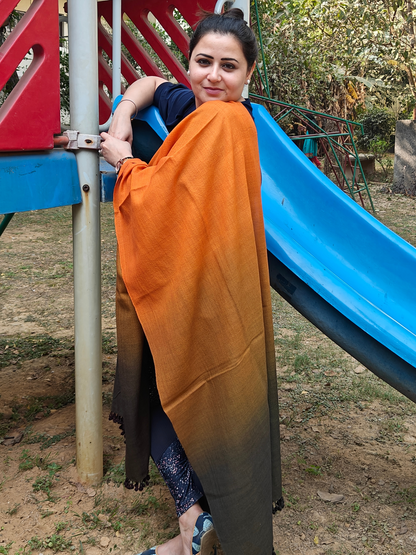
214 75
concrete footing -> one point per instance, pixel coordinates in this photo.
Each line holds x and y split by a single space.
368 163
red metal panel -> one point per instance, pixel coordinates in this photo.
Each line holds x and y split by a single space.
137 11
31 114
6 8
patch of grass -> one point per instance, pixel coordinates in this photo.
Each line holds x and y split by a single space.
91 520
302 362
145 506
13 510
4 549
47 441
44 484
22 414
109 343
114 473
290 500
14 350
314 470
408 495
27 461
56 542
332 528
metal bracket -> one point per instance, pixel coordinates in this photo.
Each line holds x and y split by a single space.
77 140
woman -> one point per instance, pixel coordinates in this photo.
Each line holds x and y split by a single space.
193 301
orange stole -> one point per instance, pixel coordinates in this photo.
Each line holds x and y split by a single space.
194 260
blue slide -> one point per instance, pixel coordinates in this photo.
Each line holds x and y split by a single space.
336 264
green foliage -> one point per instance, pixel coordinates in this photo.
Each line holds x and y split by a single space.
44 484
12 511
297 72
4 549
115 473
314 470
64 74
45 440
315 48
55 542
28 348
379 126
379 148
6 28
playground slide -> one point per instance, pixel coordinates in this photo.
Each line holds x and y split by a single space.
336 264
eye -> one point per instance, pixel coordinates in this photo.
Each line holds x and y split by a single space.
228 66
203 62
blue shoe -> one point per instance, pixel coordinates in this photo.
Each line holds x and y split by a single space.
149 551
205 540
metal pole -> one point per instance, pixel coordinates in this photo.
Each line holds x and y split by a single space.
83 71
116 49
116 69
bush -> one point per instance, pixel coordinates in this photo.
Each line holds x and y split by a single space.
379 125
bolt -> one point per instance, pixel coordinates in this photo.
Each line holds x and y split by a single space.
85 188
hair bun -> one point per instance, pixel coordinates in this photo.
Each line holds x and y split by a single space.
234 13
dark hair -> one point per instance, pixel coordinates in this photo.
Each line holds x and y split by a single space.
229 23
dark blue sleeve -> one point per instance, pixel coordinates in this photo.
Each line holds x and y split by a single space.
174 102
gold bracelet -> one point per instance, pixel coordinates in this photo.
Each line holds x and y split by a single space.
121 162
135 105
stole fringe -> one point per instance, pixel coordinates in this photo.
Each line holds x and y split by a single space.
278 505
128 484
117 419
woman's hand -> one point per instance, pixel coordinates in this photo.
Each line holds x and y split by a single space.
114 149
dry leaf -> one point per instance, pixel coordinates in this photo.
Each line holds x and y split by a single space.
331 497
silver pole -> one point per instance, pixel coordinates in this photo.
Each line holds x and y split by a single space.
116 49
116 69
83 71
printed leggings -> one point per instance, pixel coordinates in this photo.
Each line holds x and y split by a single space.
172 462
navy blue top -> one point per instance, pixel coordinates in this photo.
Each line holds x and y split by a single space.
175 102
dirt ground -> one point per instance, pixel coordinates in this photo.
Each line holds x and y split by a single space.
348 440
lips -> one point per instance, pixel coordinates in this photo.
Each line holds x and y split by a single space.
211 90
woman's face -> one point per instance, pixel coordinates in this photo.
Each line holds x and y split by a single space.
218 69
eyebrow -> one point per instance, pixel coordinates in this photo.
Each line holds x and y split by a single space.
212 57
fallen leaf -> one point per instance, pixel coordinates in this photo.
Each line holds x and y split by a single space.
331 497
359 369
316 540
13 440
79 486
91 492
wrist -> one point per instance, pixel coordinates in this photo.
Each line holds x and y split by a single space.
127 106
121 161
